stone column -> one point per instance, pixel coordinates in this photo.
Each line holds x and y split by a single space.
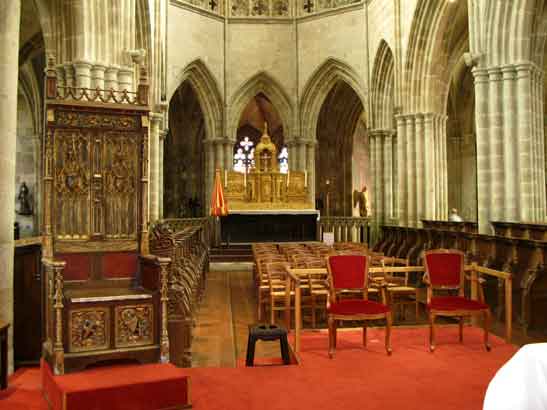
310 166
97 76
154 184
291 147
302 155
481 117
82 71
219 154
163 135
125 78
411 170
9 67
69 75
209 148
228 154
388 176
401 170
111 78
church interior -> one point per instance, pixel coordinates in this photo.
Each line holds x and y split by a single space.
240 204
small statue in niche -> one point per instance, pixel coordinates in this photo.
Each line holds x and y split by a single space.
24 200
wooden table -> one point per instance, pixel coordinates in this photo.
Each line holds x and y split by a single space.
4 355
294 275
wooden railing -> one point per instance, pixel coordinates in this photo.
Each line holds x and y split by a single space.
345 228
183 243
205 223
524 259
532 231
294 282
463 226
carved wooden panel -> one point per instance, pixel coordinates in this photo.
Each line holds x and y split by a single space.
96 184
134 325
72 184
89 329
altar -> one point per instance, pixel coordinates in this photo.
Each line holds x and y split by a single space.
265 204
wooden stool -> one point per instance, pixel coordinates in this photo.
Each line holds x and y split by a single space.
267 332
4 355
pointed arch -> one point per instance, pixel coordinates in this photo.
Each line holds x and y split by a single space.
264 83
436 43
323 79
382 87
205 86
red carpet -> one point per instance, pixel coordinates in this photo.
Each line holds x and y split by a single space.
454 377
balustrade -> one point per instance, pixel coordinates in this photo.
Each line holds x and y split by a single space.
345 228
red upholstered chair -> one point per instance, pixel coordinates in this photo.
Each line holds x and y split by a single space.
350 272
445 271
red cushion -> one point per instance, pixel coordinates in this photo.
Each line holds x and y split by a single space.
119 264
444 268
357 307
455 303
348 271
78 265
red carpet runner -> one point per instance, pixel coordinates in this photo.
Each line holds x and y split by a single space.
454 377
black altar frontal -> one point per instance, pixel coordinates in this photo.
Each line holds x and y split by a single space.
269 226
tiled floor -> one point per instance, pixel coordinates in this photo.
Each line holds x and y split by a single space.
229 306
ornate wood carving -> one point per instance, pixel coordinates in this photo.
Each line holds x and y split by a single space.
134 325
89 329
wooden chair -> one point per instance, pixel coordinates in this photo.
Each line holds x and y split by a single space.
444 270
105 295
400 291
264 284
351 272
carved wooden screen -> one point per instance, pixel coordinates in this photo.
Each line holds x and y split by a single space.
96 177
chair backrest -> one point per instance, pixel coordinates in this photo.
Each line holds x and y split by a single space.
348 271
444 268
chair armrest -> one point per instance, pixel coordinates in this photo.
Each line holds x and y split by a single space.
151 266
53 263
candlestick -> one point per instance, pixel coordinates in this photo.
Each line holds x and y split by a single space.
305 178
225 178
245 180
288 177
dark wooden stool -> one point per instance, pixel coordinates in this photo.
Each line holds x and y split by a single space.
3 355
267 332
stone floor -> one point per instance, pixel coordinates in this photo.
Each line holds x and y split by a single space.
229 306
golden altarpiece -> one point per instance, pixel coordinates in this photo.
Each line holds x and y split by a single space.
106 297
264 187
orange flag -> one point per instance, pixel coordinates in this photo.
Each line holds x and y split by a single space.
219 207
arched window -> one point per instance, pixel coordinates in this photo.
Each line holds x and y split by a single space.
244 155
283 159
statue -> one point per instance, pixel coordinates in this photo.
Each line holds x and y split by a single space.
361 198
24 203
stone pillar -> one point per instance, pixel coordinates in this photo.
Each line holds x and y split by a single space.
481 117
510 144
69 75
388 176
310 166
125 78
111 78
97 76
291 147
228 154
219 155
154 184
82 71
9 68
411 170
302 155
163 135
209 148
402 215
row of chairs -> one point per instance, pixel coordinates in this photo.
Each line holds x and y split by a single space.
348 274
271 262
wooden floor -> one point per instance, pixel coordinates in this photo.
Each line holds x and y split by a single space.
229 306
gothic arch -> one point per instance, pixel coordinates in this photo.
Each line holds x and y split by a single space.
318 87
209 97
382 88
263 83
439 36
